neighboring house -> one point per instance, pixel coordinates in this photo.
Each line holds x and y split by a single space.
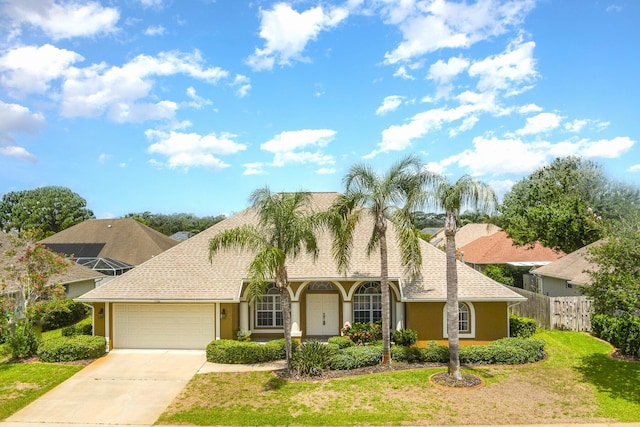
465 235
565 277
110 246
498 248
77 279
181 299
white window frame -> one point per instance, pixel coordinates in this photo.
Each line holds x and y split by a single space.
271 297
371 299
472 321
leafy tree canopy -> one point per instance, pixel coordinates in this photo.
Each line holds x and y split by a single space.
564 205
173 223
44 211
615 287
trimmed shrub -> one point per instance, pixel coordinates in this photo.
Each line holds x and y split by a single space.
341 342
312 359
77 329
506 351
21 339
356 357
57 314
67 349
405 337
432 353
246 352
522 327
622 332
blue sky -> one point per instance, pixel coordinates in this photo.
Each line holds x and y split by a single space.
188 106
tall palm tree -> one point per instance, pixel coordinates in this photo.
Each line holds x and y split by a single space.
466 192
389 197
285 229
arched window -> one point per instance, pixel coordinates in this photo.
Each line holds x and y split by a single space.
367 303
466 320
269 309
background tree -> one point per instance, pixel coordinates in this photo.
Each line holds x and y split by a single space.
286 227
563 205
451 197
45 210
615 287
26 282
389 197
169 224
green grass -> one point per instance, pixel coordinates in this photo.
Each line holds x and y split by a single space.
22 383
577 383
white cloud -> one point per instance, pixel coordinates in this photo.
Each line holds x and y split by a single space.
508 71
390 103
541 123
286 33
326 171
529 108
155 30
403 73
94 90
103 157
30 69
606 148
634 168
294 147
15 118
449 24
191 149
242 84
62 20
196 101
18 152
443 72
580 124
254 169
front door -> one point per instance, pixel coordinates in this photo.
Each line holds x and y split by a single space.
322 314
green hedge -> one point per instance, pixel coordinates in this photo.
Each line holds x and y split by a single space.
67 349
57 314
622 332
77 329
341 342
246 352
356 357
510 351
522 327
405 337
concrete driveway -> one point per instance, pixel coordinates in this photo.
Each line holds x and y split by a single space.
126 387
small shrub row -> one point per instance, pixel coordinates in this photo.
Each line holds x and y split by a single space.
241 352
67 349
80 328
509 351
356 357
522 327
622 332
57 314
341 342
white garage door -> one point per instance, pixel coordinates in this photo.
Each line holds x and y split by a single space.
183 326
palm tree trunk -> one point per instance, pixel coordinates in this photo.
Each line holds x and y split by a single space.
282 282
452 297
384 285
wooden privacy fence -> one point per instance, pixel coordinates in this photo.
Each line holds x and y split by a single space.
565 313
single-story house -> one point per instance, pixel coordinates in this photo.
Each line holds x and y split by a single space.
498 248
465 234
110 246
181 299
566 276
76 280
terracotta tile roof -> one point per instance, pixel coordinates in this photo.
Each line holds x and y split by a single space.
184 273
125 239
571 267
465 235
74 273
498 248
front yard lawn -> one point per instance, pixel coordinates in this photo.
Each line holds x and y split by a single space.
22 383
578 383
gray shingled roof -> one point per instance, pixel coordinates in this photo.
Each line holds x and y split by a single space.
571 267
124 239
184 273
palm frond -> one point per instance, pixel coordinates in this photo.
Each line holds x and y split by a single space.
246 237
409 241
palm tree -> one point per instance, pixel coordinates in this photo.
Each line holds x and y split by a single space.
380 197
452 197
285 229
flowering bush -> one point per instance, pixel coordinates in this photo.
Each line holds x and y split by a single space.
363 333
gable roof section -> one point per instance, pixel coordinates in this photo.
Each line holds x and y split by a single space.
124 239
184 273
498 248
74 273
570 267
465 235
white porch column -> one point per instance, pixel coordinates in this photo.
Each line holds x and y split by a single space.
295 319
107 331
347 313
400 324
244 316
216 320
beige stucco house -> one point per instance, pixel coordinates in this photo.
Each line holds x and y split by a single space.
181 299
